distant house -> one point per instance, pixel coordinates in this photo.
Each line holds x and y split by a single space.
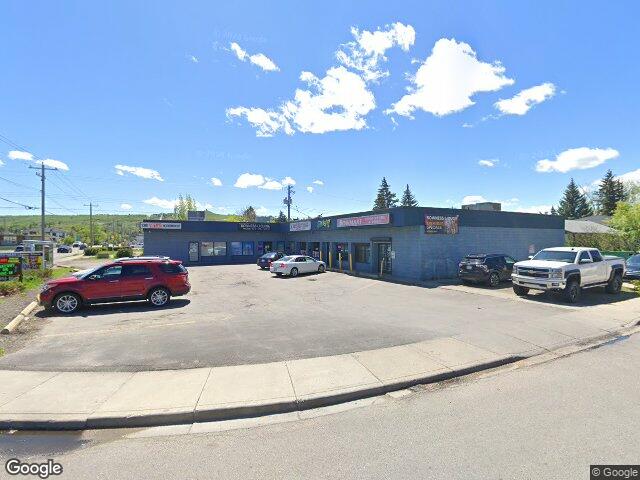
50 233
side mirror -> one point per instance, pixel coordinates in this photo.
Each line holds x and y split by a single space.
530 257
93 277
586 260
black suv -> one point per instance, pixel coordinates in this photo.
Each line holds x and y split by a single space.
489 268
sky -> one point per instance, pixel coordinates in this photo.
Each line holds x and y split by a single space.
137 102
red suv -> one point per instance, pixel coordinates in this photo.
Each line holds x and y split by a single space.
129 279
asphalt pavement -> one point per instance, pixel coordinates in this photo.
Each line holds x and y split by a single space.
547 421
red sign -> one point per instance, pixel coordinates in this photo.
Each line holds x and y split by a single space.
379 219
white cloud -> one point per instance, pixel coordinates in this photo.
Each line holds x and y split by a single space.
125 206
522 102
139 172
193 58
488 163
271 185
367 51
470 199
258 59
216 182
57 164
310 189
532 209
19 155
161 203
577 159
262 211
318 182
633 176
447 80
288 181
338 101
247 180
1 163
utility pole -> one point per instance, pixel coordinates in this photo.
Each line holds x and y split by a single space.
91 205
287 201
42 176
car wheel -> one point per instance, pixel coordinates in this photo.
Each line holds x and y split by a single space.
321 269
572 291
520 291
615 284
294 272
494 280
159 297
67 303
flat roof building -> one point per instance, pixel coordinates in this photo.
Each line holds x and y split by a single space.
410 243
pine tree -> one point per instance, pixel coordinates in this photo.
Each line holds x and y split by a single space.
282 218
611 192
249 214
408 200
574 203
553 210
385 198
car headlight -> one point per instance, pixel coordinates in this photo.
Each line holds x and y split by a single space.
44 288
555 273
515 270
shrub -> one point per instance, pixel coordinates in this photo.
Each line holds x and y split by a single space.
103 254
11 287
124 252
90 251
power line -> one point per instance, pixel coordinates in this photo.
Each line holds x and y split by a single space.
28 207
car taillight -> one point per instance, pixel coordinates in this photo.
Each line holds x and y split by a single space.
282 265
269 262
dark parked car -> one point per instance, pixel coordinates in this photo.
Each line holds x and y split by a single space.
264 262
64 249
633 267
491 268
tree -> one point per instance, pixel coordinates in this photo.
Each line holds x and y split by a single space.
553 210
282 218
408 200
610 192
184 205
574 203
385 198
248 214
626 218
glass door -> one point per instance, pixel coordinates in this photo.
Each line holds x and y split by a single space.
384 257
194 251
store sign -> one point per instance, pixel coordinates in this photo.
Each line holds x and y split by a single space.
10 267
323 224
379 219
300 226
161 225
441 224
254 227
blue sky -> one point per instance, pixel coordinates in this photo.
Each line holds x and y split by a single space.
177 93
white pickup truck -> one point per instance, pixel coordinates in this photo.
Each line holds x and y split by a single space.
568 270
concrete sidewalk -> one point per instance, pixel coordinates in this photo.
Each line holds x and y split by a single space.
79 400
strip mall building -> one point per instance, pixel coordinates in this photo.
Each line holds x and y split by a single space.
410 243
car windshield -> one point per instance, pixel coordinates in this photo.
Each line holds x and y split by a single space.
556 256
634 260
269 255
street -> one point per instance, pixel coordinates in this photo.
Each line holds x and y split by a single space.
547 421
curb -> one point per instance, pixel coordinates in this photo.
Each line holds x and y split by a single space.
13 324
198 414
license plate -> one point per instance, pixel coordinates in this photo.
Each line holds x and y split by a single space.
469 267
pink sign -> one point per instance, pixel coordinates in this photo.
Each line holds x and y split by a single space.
379 219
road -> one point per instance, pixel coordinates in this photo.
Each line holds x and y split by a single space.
546 421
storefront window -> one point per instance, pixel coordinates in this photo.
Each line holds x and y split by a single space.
342 248
315 249
303 248
236 248
363 253
247 248
280 247
213 249
292 248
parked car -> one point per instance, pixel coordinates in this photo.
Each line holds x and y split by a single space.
64 249
76 244
489 268
264 262
155 280
633 267
293 265
568 270
82 246
19 248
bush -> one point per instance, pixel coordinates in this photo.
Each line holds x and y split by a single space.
124 252
90 251
11 287
103 254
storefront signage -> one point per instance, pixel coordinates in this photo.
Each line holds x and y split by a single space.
441 224
379 219
254 227
300 226
10 267
161 225
323 224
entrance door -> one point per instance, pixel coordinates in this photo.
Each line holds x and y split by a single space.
384 257
194 251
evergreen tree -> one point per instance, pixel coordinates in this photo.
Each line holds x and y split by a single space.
574 203
282 218
611 192
553 210
408 200
385 198
249 214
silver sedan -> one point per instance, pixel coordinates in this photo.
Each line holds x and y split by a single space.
293 265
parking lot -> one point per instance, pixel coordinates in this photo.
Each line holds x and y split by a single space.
239 314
